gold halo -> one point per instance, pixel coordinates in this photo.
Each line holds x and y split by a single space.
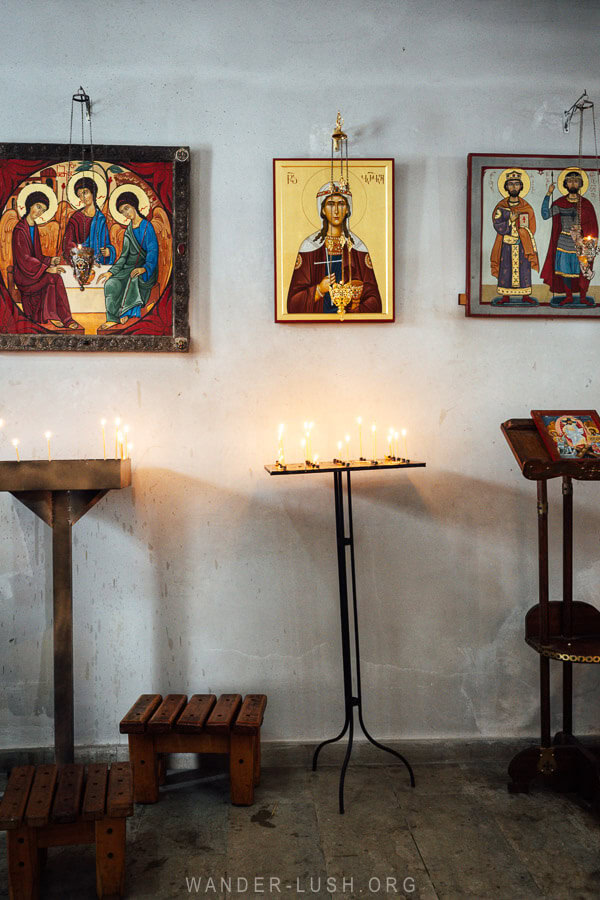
584 177
96 176
524 178
47 191
134 189
316 181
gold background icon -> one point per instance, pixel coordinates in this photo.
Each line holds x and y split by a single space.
296 183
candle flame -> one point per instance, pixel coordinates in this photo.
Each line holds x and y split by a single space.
404 432
373 427
103 422
359 420
347 438
339 445
47 435
15 442
117 421
1 423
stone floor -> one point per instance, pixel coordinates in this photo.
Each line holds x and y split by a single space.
457 834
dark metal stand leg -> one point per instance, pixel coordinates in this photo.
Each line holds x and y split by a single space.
62 580
350 700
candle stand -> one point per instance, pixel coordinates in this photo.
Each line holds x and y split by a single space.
60 493
352 682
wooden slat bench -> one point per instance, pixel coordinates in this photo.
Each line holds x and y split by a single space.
51 806
203 725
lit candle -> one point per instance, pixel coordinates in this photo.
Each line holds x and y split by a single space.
339 450
281 456
404 442
48 435
125 441
374 431
315 459
390 452
119 445
347 448
359 423
396 444
103 424
117 423
15 443
303 445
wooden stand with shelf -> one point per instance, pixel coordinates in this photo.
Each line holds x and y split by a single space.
60 492
566 630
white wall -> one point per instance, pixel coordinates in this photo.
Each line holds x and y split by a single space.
208 574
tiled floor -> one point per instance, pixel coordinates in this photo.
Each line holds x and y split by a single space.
457 834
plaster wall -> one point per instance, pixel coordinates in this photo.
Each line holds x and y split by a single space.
208 575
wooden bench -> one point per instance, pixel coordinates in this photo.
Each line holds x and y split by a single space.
203 725
51 806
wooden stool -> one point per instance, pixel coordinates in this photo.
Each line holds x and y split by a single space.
42 807
204 725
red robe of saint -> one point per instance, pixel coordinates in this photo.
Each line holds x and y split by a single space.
43 293
589 226
76 232
309 272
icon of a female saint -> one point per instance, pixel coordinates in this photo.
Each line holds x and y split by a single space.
333 262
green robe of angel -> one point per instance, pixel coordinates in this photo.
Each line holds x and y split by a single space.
123 295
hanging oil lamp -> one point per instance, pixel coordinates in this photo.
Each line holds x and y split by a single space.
82 258
342 293
586 246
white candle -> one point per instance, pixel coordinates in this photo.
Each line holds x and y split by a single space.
374 431
281 456
103 424
15 443
48 435
117 423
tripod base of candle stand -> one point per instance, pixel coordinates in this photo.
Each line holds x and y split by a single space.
349 612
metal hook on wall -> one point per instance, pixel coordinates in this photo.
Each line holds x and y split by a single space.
581 103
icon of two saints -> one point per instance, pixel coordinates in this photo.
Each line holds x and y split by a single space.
514 253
